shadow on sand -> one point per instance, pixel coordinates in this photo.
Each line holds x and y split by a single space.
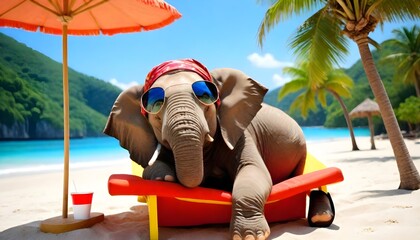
385 193
135 225
298 227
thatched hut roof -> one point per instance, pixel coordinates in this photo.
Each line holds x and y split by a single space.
367 108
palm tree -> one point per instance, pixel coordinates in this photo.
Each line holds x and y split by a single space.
336 82
321 40
407 55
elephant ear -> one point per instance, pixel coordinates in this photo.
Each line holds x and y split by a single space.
241 99
130 127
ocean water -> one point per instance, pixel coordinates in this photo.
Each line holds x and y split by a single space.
17 157
21 157
321 133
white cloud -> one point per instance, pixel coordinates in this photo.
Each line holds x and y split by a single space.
122 85
280 80
266 61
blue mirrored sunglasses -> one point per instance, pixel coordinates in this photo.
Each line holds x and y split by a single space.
152 100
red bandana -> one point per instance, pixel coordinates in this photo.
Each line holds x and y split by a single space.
173 65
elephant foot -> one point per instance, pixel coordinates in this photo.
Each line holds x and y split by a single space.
159 171
321 211
250 228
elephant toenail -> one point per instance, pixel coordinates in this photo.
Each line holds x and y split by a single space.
236 237
169 178
249 237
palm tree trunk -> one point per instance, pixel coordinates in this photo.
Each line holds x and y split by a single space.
409 176
348 120
372 139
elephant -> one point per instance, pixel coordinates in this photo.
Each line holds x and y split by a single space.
198 128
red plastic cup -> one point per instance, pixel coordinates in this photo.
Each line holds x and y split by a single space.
82 202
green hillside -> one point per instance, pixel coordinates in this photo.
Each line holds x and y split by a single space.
31 96
332 116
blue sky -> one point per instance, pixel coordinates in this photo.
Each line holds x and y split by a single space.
218 33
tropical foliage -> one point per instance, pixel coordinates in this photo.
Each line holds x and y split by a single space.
336 82
321 40
409 111
332 116
406 55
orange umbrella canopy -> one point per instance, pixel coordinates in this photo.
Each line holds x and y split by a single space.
87 17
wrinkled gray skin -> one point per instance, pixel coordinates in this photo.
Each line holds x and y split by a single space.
254 145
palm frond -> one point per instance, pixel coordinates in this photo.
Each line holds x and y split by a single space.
296 104
397 44
357 11
340 14
364 5
394 58
414 71
339 82
392 11
410 75
406 69
291 87
374 43
281 10
305 102
347 7
339 76
398 56
322 97
309 103
319 42
340 89
406 55
295 72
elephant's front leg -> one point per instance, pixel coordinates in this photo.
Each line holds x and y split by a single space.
251 188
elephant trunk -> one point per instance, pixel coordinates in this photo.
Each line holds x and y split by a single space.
185 131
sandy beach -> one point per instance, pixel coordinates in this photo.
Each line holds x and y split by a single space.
368 202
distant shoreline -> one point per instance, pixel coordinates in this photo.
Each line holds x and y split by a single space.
105 136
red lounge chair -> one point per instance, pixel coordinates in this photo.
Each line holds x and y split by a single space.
171 204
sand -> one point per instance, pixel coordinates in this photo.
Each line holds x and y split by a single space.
368 202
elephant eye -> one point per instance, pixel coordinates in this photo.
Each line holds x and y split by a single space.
206 92
152 100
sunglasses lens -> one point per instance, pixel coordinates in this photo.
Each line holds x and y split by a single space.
205 91
152 100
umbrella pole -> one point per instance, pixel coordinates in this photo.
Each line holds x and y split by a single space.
65 223
66 117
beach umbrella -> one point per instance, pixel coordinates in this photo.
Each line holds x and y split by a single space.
367 108
82 17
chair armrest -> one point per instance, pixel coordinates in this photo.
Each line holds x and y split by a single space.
305 182
125 184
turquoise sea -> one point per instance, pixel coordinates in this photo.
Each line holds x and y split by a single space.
23 157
